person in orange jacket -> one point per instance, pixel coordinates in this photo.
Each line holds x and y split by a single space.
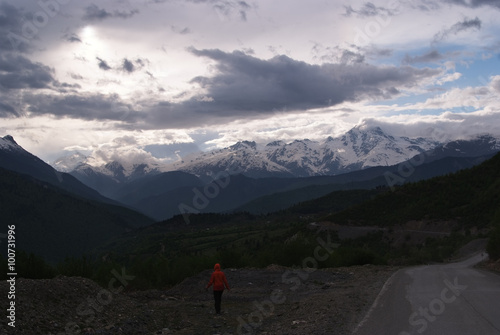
219 281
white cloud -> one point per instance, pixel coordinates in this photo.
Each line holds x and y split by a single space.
151 65
449 77
443 127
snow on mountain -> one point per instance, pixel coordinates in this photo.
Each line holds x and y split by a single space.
372 147
81 166
357 149
242 157
15 158
7 143
117 171
106 179
70 162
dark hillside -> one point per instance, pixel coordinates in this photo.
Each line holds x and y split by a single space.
470 196
305 189
54 224
21 161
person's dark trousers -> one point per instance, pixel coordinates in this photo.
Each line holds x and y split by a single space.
217 298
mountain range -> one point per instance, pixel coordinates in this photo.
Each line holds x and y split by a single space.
358 149
81 209
362 158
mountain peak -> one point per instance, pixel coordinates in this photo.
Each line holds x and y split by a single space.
364 128
244 144
305 140
70 162
115 166
275 144
8 143
10 139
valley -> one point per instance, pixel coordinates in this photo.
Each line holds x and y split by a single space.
309 243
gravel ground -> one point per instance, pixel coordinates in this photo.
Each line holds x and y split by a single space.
275 300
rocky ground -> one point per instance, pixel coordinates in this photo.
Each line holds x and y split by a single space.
275 300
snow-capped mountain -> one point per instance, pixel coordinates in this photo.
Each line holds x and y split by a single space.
70 162
7 143
15 158
78 164
357 149
367 153
361 147
118 171
105 178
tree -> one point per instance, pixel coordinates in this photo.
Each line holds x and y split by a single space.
493 247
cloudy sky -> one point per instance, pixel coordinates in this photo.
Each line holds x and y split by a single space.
151 79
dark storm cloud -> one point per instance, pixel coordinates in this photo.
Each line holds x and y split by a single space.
228 8
244 87
374 52
281 81
141 62
66 88
131 66
458 27
9 15
94 13
124 14
430 57
224 8
128 66
82 106
475 3
368 10
103 65
124 65
11 24
7 110
17 72
73 38
248 87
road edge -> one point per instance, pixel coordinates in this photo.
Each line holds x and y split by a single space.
384 289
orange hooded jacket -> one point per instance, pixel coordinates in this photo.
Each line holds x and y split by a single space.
218 279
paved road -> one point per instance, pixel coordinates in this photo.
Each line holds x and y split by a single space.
450 299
